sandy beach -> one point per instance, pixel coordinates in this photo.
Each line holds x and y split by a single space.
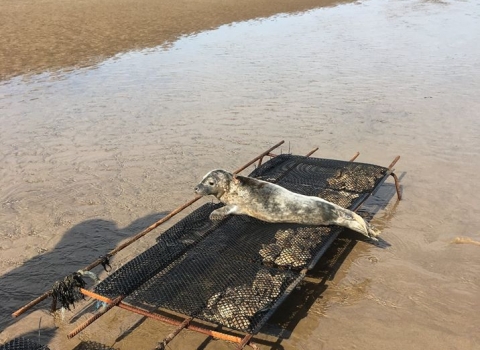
51 34
111 112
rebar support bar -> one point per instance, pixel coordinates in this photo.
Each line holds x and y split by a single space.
395 178
95 317
397 186
258 157
244 341
355 157
392 164
168 320
163 344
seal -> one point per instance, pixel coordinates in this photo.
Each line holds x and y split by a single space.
272 203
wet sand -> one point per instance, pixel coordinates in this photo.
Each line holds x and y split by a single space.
92 156
39 35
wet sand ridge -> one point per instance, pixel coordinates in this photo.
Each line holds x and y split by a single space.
39 35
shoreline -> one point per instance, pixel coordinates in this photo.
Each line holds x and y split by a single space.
85 33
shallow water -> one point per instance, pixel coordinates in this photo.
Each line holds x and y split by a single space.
91 157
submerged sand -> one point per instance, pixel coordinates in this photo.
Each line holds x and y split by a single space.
90 157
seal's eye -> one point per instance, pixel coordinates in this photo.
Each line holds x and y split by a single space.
211 182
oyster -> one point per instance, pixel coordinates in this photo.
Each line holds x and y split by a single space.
214 299
269 252
293 257
241 322
283 236
356 178
225 309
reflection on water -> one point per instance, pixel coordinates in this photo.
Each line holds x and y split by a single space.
133 135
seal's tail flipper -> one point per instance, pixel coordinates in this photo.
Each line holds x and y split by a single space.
372 231
358 224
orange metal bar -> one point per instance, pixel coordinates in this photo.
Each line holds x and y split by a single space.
122 305
397 186
32 303
163 344
395 178
312 152
95 317
94 295
258 157
275 155
355 156
393 162
260 162
244 341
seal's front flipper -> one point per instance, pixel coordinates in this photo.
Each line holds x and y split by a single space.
221 213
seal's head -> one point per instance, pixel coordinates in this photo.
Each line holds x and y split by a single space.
216 183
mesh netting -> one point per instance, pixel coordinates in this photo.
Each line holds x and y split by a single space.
235 272
23 344
171 245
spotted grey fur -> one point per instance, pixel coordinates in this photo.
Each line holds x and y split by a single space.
272 203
